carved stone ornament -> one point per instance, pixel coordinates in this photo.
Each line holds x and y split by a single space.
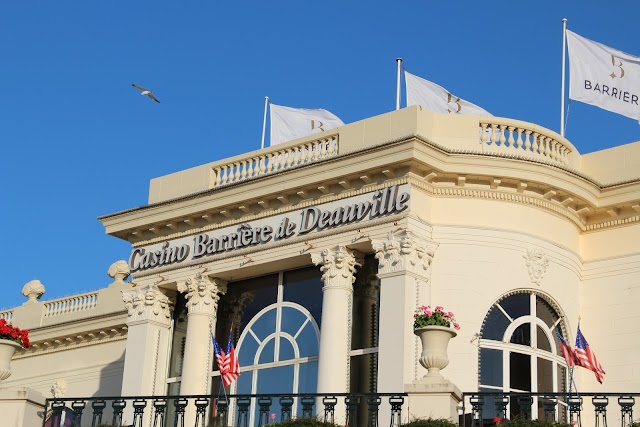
202 293
148 303
59 389
119 271
403 251
537 263
338 266
33 290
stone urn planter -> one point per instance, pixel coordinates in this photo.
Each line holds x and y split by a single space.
7 349
435 340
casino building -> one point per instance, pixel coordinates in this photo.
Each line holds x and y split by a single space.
313 255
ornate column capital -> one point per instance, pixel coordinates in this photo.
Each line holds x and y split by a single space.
202 293
338 266
148 303
403 252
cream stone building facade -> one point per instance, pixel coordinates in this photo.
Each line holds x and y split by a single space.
314 254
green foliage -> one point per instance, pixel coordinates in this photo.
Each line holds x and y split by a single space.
634 424
521 422
430 422
302 422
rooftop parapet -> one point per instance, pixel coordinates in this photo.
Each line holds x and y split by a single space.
453 133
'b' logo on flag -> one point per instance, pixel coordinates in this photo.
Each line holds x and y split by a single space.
618 65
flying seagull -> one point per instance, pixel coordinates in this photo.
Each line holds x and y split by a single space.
146 92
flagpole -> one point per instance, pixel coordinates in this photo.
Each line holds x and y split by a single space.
564 55
399 61
264 120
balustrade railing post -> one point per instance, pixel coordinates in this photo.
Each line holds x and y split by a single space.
477 404
373 405
118 406
243 411
501 406
352 402
600 408
329 403
307 406
201 411
626 409
549 406
264 405
396 403
98 408
575 407
286 405
139 406
159 414
77 406
180 404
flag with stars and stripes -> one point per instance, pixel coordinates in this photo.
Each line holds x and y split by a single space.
567 351
228 364
587 358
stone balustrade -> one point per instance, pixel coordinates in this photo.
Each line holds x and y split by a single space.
72 304
276 160
525 139
6 315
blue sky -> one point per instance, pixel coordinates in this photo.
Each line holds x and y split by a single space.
78 141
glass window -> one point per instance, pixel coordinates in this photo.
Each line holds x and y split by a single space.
304 287
528 369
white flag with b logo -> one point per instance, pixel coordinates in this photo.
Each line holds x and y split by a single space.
603 76
290 123
436 98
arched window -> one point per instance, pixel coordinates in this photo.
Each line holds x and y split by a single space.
519 350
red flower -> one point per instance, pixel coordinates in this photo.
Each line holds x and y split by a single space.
497 420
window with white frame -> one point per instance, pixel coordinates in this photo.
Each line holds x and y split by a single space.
519 350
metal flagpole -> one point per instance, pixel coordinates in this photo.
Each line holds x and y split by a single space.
564 56
264 120
399 61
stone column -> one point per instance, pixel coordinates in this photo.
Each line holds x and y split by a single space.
149 335
338 266
403 268
202 294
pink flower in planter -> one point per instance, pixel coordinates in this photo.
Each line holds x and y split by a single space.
272 417
456 326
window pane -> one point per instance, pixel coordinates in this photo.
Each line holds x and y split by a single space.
180 321
244 383
308 341
247 350
517 305
543 341
365 313
520 372
363 376
490 367
522 334
286 350
544 311
277 381
495 325
266 355
263 291
304 287
545 375
292 319
266 325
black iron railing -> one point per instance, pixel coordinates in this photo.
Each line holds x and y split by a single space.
581 410
359 410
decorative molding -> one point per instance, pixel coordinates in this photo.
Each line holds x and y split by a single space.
407 252
148 303
119 271
202 293
85 339
33 290
59 389
537 263
338 267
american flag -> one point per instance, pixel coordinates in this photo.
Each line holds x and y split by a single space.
227 362
567 351
587 358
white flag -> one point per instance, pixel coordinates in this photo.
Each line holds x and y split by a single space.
290 123
436 98
603 76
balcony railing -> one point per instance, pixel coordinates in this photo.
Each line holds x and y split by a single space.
360 410
276 160
581 410
71 304
6 315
